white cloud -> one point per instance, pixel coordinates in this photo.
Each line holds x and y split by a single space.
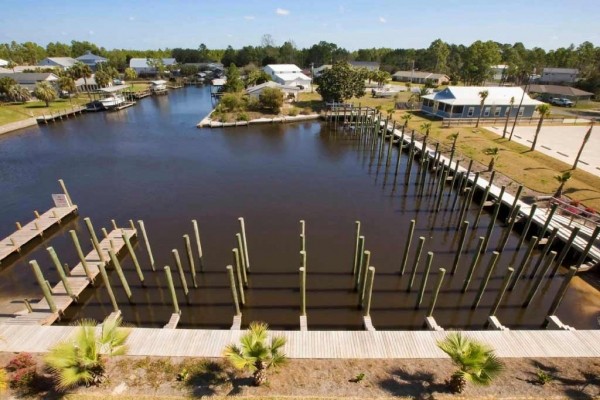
249 17
282 11
91 32
382 20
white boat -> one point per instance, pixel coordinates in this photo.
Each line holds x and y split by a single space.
158 86
112 101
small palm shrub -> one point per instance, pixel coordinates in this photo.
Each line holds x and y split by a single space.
543 377
81 360
255 354
476 362
243 117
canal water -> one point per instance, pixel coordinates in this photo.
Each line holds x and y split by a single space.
150 162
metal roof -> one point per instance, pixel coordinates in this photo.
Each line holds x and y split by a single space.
469 95
143 62
420 75
116 88
270 84
560 90
62 61
573 71
30 77
292 76
91 57
283 68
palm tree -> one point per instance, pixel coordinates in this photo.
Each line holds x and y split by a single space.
585 140
254 354
45 92
476 362
512 103
544 111
426 127
80 70
482 95
492 151
80 360
102 79
562 179
130 74
67 84
406 117
18 94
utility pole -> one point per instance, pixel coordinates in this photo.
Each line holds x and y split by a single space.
520 104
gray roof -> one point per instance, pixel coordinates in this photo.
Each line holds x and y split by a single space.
143 62
270 84
573 71
420 75
559 90
23 78
91 57
364 64
62 61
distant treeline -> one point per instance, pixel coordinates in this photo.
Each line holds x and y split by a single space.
469 64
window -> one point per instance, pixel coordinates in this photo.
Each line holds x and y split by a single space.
507 111
497 111
521 111
486 111
471 111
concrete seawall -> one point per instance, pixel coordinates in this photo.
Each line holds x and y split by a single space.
13 126
209 123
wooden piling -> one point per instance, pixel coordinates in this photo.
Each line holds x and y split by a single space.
136 264
114 224
461 243
80 254
463 208
233 290
512 213
361 255
199 246
302 291
244 242
106 281
524 262
362 273
39 276
94 238
190 257
416 263
356 256
302 235
564 252
545 251
65 191
509 229
104 232
242 258
538 281
589 245
527 226
480 210
117 265
509 274
147 243
562 290
473 265
61 272
171 286
436 292
182 278
424 280
486 279
548 220
367 301
409 238
491 226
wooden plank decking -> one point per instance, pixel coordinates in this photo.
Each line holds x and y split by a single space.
78 281
36 228
319 344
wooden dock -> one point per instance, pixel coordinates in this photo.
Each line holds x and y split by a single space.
34 229
318 344
58 115
78 281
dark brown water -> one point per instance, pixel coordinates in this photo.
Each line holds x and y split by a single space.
150 162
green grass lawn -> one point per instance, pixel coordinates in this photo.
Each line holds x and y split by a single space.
17 112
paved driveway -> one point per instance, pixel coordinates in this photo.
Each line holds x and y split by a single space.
562 143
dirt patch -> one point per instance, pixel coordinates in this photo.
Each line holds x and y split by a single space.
316 378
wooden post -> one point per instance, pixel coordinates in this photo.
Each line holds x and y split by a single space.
356 256
361 251
409 238
19 227
564 251
367 301
562 290
114 224
512 209
527 226
64 189
233 290
416 263
90 227
244 242
548 220
538 281
505 282
133 257
132 225
473 265
483 200
147 242
111 294
302 291
61 272
37 214
362 272
172 290
80 254
399 156
119 270
524 261
363 283
199 246
424 280
302 235
42 282
442 186
589 245
491 226
463 208
182 278
436 292
28 305
545 251
104 232
486 278
461 243
238 272
190 257
509 229
242 258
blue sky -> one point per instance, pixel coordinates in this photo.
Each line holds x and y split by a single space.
145 24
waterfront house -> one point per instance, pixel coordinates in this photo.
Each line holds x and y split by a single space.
63 63
87 84
141 66
421 77
559 75
499 72
464 102
91 60
289 75
289 92
3 63
369 65
29 79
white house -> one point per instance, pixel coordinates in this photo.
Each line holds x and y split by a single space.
319 70
421 77
289 75
29 79
559 75
91 60
499 72
58 62
289 92
141 66
465 102
3 63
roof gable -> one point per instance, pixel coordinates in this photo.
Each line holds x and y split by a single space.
283 68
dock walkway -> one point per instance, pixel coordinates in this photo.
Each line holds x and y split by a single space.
318 344
36 228
78 281
53 116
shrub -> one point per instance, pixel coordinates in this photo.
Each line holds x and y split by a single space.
223 118
3 380
22 380
21 361
243 117
306 111
271 99
230 102
543 377
293 112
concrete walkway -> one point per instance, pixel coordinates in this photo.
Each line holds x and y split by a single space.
562 143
